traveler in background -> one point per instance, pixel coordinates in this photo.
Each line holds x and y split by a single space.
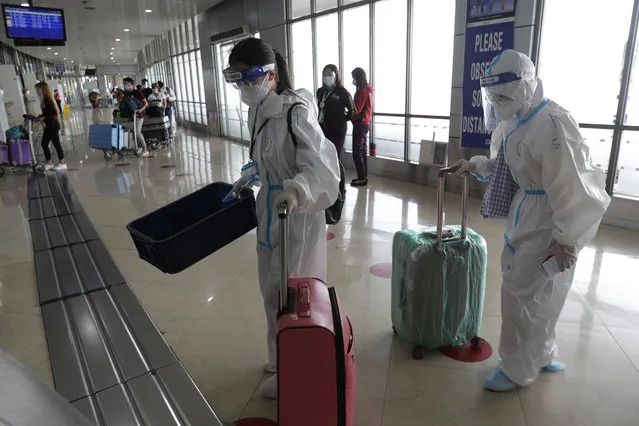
156 98
130 91
146 89
170 100
51 119
58 100
305 176
362 125
336 107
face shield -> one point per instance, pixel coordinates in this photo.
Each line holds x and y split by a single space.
248 77
503 97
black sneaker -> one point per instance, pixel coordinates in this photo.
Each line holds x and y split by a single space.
359 182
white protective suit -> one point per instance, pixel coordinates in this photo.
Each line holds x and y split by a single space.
313 170
561 198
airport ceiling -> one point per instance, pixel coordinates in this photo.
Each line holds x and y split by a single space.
94 26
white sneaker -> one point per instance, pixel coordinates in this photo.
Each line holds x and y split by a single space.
270 368
145 154
60 168
269 388
48 167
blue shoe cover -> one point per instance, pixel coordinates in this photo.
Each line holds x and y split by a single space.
553 367
498 382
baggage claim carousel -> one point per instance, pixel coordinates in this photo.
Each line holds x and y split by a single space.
107 357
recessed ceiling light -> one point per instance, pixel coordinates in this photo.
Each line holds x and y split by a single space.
25 5
126 30
72 61
117 39
113 48
64 59
148 11
56 53
48 48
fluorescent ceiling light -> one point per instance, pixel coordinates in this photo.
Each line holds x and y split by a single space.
117 39
64 59
48 48
126 30
148 11
24 4
56 53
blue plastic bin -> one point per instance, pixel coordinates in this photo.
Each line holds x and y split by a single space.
186 231
106 137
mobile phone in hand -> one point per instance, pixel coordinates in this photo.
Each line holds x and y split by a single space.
551 267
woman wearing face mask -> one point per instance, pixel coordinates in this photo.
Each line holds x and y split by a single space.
335 107
51 118
362 125
156 98
304 175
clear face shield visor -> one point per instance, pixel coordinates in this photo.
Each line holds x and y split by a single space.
499 97
248 77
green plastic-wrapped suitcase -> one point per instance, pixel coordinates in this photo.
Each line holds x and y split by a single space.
438 282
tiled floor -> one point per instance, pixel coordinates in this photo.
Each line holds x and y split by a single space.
212 314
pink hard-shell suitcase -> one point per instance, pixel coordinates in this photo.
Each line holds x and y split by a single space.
315 351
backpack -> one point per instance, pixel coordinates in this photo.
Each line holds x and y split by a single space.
334 212
129 105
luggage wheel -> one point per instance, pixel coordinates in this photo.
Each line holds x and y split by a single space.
2 171
38 168
108 155
477 342
154 145
419 352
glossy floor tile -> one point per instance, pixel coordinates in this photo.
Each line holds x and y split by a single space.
211 314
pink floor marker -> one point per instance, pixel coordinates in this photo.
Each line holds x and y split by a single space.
330 236
382 270
469 352
122 164
254 421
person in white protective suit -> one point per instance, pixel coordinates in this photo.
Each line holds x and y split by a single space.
553 214
305 176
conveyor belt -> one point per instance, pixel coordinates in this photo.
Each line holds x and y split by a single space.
107 356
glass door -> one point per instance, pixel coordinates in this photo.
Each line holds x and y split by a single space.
233 113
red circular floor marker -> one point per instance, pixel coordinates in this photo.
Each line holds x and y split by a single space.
168 166
330 236
254 421
122 164
382 270
468 352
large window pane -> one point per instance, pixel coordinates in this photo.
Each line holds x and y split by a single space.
322 5
599 143
327 43
390 55
389 136
430 91
627 182
355 41
426 129
590 94
302 48
632 107
194 79
300 8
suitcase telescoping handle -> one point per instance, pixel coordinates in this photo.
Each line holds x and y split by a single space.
283 215
442 173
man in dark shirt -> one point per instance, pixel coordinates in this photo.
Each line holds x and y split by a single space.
146 89
129 90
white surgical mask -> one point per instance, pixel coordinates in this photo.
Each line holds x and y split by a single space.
156 91
329 81
254 95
